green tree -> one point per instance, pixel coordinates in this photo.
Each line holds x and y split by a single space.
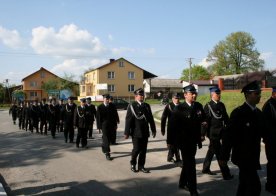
51 85
2 91
198 72
236 54
68 81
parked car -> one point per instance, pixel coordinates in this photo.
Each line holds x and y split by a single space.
120 103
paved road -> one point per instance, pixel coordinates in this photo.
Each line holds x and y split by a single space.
33 164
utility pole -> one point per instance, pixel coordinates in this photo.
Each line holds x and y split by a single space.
190 69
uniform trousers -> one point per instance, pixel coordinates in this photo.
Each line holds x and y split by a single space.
249 182
69 131
139 149
43 123
188 172
173 151
90 130
106 140
82 137
215 149
271 166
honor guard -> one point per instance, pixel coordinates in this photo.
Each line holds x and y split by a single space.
35 115
106 120
81 122
166 115
217 120
13 112
43 109
186 125
27 117
67 119
138 119
269 111
114 130
20 114
243 137
53 116
91 112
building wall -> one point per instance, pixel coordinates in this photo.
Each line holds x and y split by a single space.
32 84
121 69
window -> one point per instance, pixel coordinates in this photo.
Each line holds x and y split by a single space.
111 88
131 75
33 83
42 74
131 88
33 94
111 75
121 63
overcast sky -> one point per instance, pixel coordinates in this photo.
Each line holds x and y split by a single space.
71 36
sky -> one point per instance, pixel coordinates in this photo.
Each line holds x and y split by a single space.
68 37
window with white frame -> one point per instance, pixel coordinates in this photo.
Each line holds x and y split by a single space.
121 63
111 88
111 75
131 75
33 94
131 88
33 83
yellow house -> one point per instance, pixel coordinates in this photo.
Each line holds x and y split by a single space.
32 85
119 78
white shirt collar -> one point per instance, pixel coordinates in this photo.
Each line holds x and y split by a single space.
252 107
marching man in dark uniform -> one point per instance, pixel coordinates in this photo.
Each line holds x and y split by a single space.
217 120
269 111
35 115
167 113
106 120
138 119
91 109
243 137
116 115
53 116
27 117
59 121
186 125
81 122
43 109
13 111
67 118
20 114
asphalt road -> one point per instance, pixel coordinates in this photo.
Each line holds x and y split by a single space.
32 164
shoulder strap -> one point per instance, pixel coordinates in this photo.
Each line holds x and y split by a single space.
213 113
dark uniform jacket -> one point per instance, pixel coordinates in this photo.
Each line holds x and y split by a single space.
43 109
243 136
67 114
20 112
269 111
186 125
107 116
91 113
13 111
138 119
53 113
35 112
216 118
169 110
80 117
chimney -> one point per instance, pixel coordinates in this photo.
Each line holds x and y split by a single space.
111 60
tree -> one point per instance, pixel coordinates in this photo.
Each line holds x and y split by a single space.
198 72
51 85
235 55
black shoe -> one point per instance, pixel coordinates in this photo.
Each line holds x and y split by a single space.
65 141
71 142
133 168
144 170
107 156
114 143
77 145
228 177
170 160
208 172
183 186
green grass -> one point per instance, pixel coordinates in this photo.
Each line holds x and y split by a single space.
233 99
